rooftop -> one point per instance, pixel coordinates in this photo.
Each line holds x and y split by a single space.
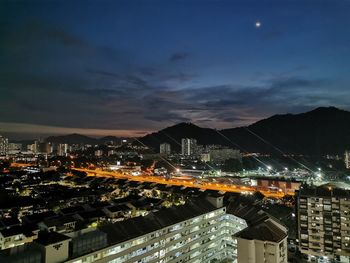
48 238
326 190
138 226
27 230
251 214
264 231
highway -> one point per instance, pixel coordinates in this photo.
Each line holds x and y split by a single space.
194 183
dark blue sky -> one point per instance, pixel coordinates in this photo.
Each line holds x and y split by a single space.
128 67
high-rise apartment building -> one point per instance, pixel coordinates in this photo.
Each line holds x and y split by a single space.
198 232
202 230
323 214
4 145
188 146
62 149
165 149
347 159
15 147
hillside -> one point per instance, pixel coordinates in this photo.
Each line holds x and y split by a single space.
318 132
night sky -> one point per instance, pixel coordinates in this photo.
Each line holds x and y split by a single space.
130 67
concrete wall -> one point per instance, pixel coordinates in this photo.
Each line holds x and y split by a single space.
57 252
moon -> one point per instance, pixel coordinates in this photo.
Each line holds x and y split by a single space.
257 24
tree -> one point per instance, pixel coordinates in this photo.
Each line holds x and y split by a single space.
232 165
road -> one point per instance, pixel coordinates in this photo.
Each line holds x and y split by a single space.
194 183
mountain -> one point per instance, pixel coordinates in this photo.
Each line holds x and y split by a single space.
73 139
325 130
82 139
174 134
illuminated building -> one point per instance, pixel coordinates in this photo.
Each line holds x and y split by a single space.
323 215
264 240
15 147
4 145
202 230
205 157
165 149
188 146
98 153
347 159
62 149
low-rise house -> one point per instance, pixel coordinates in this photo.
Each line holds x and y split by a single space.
118 211
91 217
17 235
62 224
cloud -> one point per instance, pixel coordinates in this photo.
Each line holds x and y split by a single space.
53 78
179 56
15 36
34 130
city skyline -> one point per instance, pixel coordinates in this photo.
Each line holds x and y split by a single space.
130 68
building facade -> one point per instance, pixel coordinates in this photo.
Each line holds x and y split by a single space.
324 221
188 146
264 240
15 148
192 234
201 231
4 145
347 159
165 149
62 149
263 243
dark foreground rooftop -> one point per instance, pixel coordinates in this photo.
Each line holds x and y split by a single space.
265 231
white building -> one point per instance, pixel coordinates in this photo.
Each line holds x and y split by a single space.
16 236
264 240
4 145
165 149
188 146
190 233
98 153
201 231
263 243
62 149
194 232
15 148
205 157
347 159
